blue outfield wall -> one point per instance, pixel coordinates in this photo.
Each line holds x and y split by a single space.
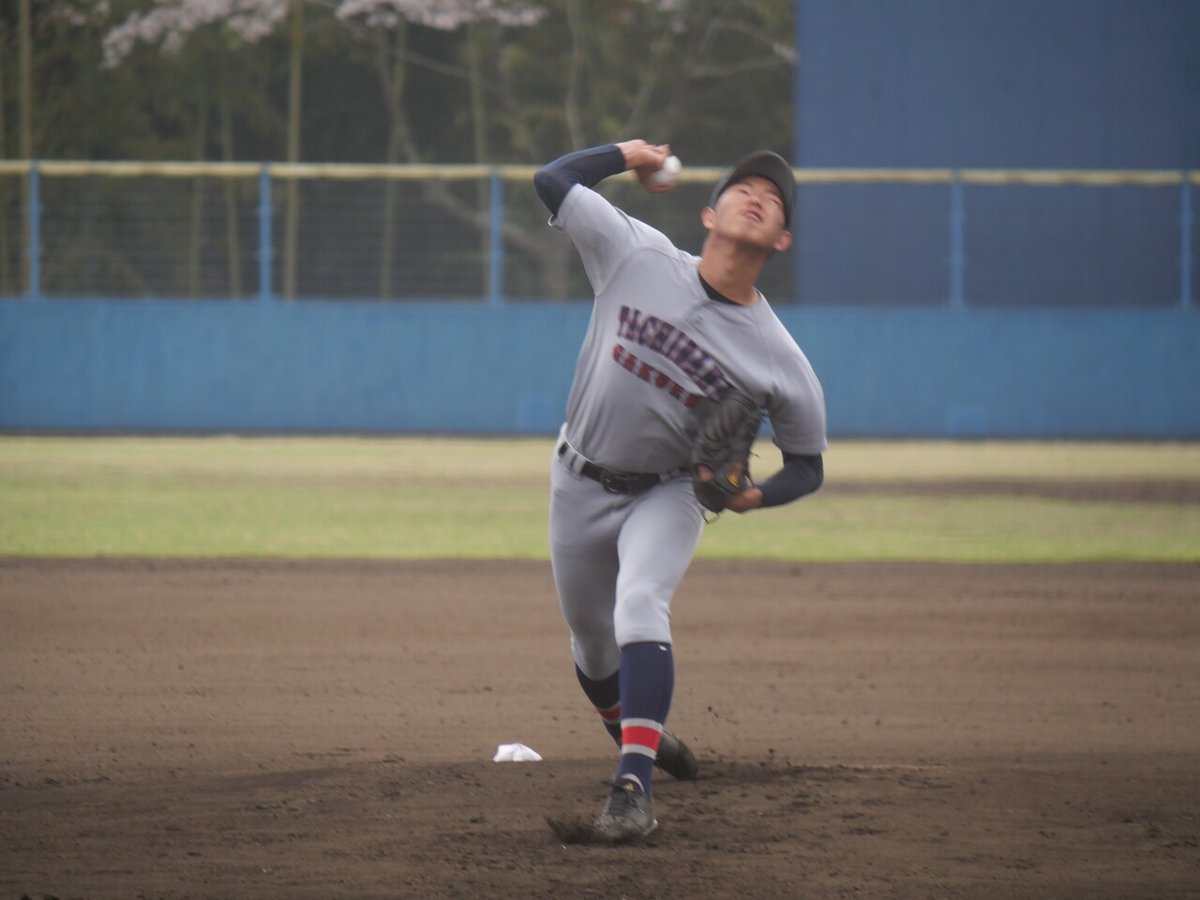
237 366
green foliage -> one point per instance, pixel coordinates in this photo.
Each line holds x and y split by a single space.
712 77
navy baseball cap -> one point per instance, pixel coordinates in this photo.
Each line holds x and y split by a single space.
769 165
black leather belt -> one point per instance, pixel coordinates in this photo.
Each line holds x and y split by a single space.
616 482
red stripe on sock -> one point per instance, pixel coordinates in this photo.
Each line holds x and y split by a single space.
612 715
641 736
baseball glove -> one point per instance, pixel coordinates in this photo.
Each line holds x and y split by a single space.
723 447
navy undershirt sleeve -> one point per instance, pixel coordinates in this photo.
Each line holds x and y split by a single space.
800 475
587 167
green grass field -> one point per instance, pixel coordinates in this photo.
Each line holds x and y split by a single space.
412 498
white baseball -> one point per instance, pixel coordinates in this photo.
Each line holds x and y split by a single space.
669 171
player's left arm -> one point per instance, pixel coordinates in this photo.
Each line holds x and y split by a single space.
797 414
802 474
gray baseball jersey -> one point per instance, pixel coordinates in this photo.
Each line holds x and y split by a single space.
657 347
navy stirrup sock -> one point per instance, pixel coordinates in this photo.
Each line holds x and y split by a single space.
647 681
606 697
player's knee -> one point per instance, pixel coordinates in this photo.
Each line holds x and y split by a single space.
596 658
642 616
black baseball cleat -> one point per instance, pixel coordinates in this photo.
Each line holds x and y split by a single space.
628 815
675 758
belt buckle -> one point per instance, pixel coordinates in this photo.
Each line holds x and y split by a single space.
614 483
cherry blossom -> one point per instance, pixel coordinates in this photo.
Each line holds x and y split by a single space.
169 23
442 14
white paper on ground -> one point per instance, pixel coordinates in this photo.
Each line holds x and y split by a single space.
516 753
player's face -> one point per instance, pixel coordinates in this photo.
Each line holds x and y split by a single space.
751 211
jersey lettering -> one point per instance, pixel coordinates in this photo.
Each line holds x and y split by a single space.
663 337
626 325
649 374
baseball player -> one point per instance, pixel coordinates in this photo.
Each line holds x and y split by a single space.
670 333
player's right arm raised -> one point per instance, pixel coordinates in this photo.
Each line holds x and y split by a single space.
589 167
645 160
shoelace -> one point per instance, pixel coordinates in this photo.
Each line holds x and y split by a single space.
623 797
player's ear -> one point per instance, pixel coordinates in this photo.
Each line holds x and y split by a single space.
785 241
707 217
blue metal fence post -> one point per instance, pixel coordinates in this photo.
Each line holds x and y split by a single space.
957 241
35 232
264 233
1185 243
496 240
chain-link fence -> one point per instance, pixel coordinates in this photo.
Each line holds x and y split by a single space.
971 238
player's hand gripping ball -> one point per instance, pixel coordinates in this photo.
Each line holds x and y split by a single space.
721 454
669 173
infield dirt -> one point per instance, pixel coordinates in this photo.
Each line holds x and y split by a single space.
243 729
